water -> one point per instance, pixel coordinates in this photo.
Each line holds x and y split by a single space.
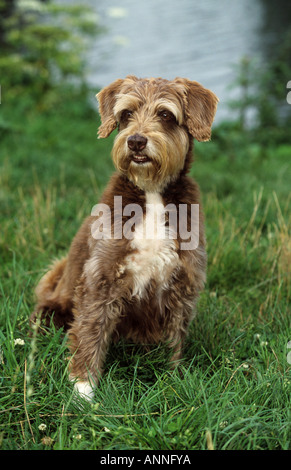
200 40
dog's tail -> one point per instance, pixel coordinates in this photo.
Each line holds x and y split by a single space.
53 299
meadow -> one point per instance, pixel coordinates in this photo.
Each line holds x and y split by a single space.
235 389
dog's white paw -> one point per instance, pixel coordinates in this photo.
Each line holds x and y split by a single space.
85 390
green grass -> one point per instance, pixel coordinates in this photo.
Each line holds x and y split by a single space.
235 393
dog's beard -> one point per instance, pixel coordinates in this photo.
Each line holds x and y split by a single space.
146 175
166 159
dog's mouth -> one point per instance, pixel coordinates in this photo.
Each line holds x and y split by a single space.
140 159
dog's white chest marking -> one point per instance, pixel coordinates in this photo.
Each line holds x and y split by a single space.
155 255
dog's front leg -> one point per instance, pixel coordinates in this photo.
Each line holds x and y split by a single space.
180 302
175 337
89 338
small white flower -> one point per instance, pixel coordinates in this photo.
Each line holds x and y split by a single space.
47 441
245 365
264 343
42 427
77 436
223 424
106 429
19 342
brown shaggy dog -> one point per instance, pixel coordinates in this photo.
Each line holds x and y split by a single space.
121 277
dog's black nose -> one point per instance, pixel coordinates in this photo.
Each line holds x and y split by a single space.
136 142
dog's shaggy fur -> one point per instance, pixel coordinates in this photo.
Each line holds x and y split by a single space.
143 289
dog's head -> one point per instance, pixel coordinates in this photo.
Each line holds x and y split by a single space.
156 118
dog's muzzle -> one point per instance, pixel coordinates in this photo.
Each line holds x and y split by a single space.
137 143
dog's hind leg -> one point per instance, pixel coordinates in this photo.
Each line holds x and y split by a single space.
54 302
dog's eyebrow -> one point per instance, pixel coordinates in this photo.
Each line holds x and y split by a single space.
125 101
164 104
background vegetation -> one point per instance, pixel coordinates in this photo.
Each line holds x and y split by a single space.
235 393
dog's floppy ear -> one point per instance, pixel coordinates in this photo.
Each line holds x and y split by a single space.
106 99
200 107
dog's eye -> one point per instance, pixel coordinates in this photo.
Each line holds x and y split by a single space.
167 115
126 114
